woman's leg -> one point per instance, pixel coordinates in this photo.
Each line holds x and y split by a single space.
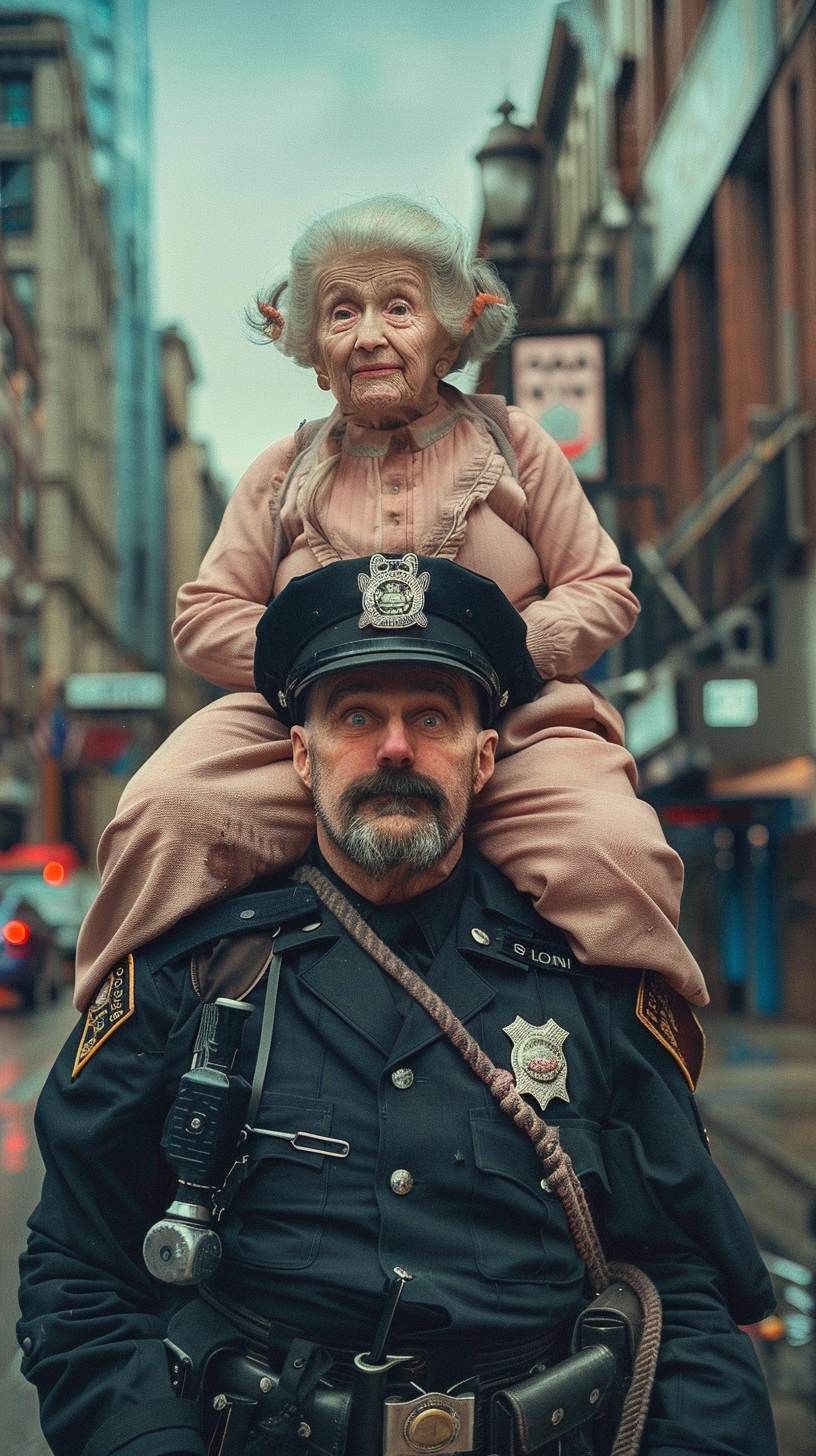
561 818
216 804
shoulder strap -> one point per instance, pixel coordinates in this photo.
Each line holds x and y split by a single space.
250 912
493 409
305 433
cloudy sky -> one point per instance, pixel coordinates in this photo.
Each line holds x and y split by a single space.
268 112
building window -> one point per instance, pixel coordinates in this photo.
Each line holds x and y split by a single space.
27 507
16 205
6 485
24 287
16 101
7 354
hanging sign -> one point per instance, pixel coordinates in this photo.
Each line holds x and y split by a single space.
560 380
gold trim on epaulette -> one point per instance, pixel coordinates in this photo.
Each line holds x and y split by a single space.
113 1004
658 1007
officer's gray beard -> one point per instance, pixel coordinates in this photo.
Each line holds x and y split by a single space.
369 843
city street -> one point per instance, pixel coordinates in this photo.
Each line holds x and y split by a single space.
28 1045
758 1101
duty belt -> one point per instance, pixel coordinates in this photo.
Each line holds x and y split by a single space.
323 1402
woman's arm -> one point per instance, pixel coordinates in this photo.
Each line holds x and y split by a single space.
214 630
589 605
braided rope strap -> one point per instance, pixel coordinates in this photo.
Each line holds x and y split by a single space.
560 1173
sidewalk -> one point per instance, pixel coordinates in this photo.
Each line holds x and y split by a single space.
757 1097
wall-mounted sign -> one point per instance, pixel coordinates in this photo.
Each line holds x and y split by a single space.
730 702
560 380
107 691
652 720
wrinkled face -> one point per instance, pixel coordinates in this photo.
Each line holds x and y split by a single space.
377 339
393 757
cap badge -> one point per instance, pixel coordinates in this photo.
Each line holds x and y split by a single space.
393 595
538 1060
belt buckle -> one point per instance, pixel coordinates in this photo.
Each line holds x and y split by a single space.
430 1423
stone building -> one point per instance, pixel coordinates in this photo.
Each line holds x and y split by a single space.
58 252
669 221
195 501
21 591
110 44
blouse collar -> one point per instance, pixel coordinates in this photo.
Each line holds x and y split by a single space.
427 430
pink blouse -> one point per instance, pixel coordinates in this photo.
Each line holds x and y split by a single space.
437 487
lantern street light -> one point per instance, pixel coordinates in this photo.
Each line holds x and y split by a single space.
511 162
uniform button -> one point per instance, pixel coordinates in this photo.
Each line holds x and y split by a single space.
481 937
313 925
401 1181
403 1077
27 1346
247 915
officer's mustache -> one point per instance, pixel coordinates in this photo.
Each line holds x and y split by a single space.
389 783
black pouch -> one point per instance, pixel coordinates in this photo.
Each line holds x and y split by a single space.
614 1318
547 1407
580 1397
242 1393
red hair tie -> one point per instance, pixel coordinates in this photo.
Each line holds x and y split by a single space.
275 320
481 301
478 307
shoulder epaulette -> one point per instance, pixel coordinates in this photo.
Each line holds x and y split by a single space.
668 1016
258 910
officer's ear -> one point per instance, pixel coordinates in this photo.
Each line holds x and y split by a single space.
300 754
485 761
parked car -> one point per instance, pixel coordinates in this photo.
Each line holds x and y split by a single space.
55 882
31 963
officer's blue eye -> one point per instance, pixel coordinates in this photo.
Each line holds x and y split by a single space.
357 719
430 720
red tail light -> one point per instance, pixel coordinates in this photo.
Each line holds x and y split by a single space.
16 932
53 873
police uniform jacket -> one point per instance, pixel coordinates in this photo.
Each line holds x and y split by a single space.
438 1179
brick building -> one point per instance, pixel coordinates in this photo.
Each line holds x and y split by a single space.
57 248
194 505
673 219
21 590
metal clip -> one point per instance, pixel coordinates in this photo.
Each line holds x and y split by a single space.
301 1142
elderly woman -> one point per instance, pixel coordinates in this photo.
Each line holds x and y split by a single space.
384 303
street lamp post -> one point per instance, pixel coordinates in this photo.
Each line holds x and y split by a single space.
510 162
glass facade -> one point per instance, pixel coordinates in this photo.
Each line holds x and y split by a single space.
110 43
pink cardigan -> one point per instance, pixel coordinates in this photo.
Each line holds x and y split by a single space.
438 487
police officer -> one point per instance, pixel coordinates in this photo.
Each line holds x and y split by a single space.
379 1204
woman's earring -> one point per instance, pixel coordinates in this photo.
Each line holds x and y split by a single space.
323 381
441 368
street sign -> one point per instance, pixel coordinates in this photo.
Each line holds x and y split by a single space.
730 702
109 691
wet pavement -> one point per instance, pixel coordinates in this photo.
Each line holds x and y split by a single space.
28 1046
758 1098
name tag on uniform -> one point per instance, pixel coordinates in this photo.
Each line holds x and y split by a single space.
537 953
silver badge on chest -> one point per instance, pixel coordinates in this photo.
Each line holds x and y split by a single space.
538 1060
393 595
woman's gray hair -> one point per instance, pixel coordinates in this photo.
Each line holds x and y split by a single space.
391 224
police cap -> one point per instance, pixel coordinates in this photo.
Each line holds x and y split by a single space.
387 609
